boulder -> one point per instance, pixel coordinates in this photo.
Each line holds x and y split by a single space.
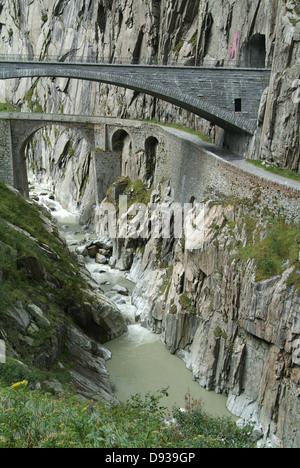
103 243
101 259
82 250
92 251
120 290
101 320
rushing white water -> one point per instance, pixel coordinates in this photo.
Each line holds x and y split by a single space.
140 361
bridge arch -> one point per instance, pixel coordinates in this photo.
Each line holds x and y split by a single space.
50 162
120 138
151 147
206 92
24 135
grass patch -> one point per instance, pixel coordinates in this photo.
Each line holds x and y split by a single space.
275 170
16 245
280 245
31 97
8 107
186 303
136 191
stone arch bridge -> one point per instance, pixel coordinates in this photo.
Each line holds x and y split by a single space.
194 169
105 137
227 97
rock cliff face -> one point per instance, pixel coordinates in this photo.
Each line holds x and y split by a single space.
278 137
51 311
232 317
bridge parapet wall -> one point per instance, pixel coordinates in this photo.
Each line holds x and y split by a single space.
197 173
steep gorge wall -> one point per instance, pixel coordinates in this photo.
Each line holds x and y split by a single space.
235 324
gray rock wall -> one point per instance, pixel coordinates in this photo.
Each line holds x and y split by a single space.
237 334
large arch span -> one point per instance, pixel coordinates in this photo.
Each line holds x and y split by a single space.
227 97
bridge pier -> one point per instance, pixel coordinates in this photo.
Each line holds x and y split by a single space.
108 168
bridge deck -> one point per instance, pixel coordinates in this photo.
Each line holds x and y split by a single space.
227 97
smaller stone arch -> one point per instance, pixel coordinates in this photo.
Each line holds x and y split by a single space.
23 131
121 143
151 146
119 140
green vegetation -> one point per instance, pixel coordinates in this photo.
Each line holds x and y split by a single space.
8 107
178 47
268 238
22 236
275 169
31 97
219 333
12 371
136 192
186 303
194 39
34 419
278 249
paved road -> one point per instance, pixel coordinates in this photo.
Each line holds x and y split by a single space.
234 159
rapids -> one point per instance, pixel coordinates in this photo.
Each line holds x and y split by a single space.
140 361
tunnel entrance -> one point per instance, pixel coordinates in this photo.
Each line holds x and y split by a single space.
253 53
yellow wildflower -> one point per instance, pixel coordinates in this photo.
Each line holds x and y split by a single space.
18 384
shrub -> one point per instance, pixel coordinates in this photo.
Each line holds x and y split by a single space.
29 419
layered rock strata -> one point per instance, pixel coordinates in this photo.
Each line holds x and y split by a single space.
234 324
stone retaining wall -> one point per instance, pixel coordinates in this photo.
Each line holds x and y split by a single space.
6 164
197 173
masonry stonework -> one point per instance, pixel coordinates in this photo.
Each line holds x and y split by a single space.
197 173
6 163
194 172
227 97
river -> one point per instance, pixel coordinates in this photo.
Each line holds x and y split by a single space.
140 361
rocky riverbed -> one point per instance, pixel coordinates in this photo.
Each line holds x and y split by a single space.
230 338
137 361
